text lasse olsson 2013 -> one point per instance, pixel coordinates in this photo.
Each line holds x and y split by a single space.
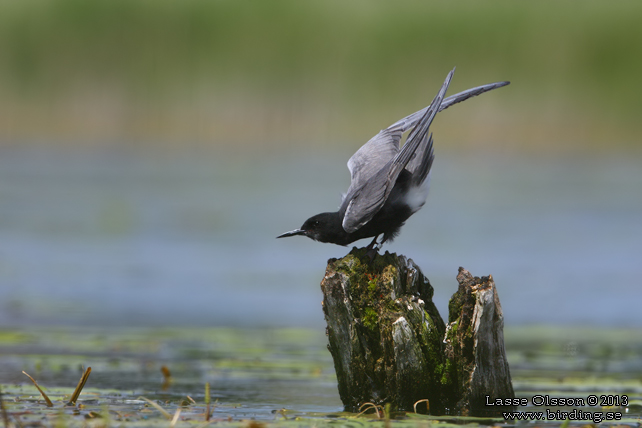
560 415
547 400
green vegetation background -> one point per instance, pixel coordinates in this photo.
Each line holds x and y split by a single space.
272 74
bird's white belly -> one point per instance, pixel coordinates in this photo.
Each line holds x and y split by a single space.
415 198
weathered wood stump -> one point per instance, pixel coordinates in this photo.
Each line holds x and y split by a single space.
475 346
390 345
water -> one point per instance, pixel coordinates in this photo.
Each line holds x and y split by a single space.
253 373
114 239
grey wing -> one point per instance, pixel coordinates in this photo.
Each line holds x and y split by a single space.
410 120
372 157
363 165
362 203
419 166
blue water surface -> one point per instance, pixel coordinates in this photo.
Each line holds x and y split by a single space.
104 238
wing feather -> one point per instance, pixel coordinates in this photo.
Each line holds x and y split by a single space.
362 203
363 165
410 120
420 165
374 168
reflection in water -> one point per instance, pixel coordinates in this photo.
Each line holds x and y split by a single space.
126 240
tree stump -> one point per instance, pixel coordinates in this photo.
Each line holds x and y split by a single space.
390 345
475 347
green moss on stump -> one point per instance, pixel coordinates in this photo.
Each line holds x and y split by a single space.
394 334
390 345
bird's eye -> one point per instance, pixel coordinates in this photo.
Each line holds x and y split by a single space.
316 222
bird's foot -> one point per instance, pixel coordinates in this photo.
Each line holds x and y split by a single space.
372 249
372 253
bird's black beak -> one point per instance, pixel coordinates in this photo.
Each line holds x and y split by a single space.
292 233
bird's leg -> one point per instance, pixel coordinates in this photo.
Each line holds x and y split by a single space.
372 249
372 244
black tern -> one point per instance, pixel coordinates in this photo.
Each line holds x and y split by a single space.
387 185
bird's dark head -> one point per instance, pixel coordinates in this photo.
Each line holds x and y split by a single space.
324 227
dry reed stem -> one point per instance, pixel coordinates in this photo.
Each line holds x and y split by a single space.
47 400
369 406
157 407
80 386
422 401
